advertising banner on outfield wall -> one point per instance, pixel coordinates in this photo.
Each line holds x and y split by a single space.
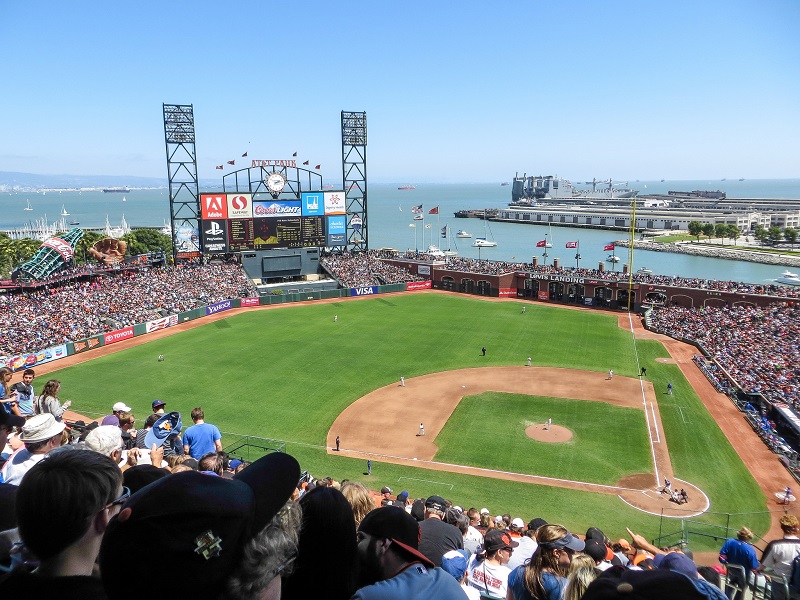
250 302
117 336
169 321
364 291
543 295
418 285
88 344
26 361
219 307
508 293
588 301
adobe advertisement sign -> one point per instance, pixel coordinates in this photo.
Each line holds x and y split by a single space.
215 236
213 206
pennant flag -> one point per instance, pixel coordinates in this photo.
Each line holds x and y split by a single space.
417 209
305 163
434 211
608 246
571 245
541 243
444 232
295 154
231 162
317 167
245 154
220 166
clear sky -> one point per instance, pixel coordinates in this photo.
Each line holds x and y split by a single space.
453 91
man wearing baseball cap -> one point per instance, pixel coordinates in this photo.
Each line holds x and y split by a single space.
158 406
388 553
41 434
438 537
113 418
223 537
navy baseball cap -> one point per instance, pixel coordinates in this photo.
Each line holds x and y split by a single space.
157 403
163 428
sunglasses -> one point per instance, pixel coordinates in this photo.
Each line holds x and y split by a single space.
126 493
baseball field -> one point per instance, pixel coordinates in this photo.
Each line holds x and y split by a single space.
290 373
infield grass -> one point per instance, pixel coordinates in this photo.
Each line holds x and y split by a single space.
287 373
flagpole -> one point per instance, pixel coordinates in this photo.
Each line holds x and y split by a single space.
578 255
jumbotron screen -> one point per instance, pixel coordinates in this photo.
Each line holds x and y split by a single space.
236 222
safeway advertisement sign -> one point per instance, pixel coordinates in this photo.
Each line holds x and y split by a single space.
418 285
251 302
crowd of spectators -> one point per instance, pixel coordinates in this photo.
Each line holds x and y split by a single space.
264 530
365 269
31 321
758 348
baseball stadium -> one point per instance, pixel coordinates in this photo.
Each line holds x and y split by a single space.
577 396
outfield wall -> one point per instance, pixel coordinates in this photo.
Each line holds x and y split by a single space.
53 353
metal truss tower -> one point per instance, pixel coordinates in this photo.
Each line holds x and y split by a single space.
184 193
354 177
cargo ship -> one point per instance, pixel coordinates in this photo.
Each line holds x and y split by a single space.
115 190
407 186
528 191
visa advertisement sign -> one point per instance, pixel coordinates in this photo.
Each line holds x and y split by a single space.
312 204
337 230
364 291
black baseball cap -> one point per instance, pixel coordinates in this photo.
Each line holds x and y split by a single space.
436 503
397 525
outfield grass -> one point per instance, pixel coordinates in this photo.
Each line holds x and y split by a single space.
287 373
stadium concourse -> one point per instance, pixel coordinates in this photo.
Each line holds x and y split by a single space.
146 286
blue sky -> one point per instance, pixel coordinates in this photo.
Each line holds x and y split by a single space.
453 91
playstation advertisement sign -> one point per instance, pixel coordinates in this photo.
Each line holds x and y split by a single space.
214 235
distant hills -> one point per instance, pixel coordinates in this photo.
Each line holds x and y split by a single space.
12 180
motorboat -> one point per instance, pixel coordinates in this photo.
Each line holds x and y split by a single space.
788 278
74 222
483 243
644 271
612 258
407 186
463 234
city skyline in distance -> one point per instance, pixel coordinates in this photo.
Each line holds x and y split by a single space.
579 89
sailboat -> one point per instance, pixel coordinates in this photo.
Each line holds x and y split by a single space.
484 242
29 207
64 212
548 238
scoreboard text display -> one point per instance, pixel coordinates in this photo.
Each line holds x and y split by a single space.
235 222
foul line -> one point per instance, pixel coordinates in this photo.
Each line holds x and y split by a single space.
644 400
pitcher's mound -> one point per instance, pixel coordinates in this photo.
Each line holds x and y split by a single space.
556 433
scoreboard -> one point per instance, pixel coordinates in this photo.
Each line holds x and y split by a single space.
236 222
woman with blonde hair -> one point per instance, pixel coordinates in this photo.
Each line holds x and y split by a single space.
544 576
360 499
581 574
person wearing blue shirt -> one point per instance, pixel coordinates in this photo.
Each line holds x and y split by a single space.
24 391
201 438
738 552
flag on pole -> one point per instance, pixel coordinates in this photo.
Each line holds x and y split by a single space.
427 226
609 246
220 166
444 232
571 245
295 154
541 243
245 154
434 211
317 167
305 163
417 210
231 162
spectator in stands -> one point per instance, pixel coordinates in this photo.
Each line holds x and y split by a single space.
738 552
126 423
64 505
238 539
25 393
211 464
40 435
359 498
201 438
159 407
116 411
386 496
326 547
48 402
142 433
437 537
776 561
487 571
527 545
544 577
402 500
7 423
389 557
582 572
455 562
8 397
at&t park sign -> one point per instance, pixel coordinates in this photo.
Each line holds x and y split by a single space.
292 164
